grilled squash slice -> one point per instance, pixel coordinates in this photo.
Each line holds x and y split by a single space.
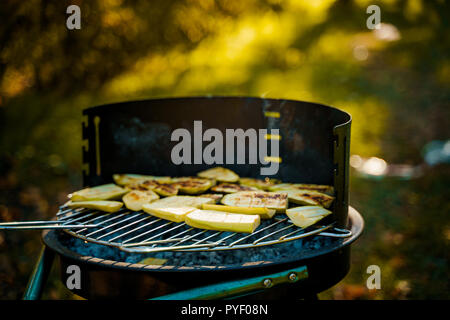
314 187
166 189
126 179
163 189
193 185
281 186
232 188
215 196
222 221
264 213
258 183
135 199
180 201
306 216
220 174
175 214
101 205
308 197
271 200
102 192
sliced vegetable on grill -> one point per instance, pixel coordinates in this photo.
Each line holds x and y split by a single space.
264 213
271 200
163 189
232 188
193 185
258 183
220 174
175 214
308 197
135 199
315 187
180 201
102 192
128 178
216 196
222 221
101 205
281 186
306 216
166 189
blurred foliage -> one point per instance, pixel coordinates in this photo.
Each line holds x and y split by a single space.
394 81
407 234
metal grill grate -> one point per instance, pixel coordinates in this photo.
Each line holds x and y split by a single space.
140 232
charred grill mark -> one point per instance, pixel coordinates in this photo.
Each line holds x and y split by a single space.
317 197
149 184
136 187
216 197
224 187
167 188
191 184
318 188
271 196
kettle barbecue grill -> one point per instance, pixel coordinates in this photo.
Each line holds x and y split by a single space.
278 259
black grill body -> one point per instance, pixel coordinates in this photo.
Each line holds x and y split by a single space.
135 137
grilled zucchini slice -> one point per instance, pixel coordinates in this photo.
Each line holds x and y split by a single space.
308 197
314 187
258 183
135 199
216 196
135 186
281 186
329 190
306 216
271 200
232 188
102 205
180 201
220 174
222 221
166 189
102 192
193 185
264 213
163 189
128 178
175 214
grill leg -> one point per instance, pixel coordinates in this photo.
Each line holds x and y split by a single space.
40 274
239 288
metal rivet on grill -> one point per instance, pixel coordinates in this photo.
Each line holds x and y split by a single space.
292 276
267 283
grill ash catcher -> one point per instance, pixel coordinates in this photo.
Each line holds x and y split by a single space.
276 260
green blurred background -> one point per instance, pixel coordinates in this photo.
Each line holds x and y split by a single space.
394 81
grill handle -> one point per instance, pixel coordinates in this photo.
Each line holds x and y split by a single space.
38 225
239 287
